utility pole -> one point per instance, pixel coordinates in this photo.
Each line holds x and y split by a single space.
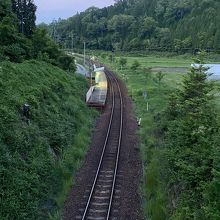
90 70
84 54
22 22
72 41
54 31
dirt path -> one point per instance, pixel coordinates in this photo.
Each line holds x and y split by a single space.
130 169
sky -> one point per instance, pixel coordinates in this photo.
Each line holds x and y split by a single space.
48 10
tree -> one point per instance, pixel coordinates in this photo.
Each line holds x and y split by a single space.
148 73
120 25
30 17
135 65
43 44
217 40
122 61
7 31
138 24
148 27
177 45
190 141
5 6
164 36
212 199
13 46
25 11
67 63
160 75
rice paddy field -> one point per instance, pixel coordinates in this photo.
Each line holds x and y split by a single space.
138 81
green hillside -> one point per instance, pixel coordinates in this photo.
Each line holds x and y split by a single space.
40 152
164 25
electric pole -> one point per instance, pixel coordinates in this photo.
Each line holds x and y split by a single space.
84 54
72 41
22 22
54 30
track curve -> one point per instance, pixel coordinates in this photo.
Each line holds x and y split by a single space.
101 196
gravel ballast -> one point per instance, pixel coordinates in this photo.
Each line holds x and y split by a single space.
130 166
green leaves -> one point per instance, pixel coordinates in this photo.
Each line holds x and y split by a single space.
135 65
190 141
36 158
5 7
166 25
122 62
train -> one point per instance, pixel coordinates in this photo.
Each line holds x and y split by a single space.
97 93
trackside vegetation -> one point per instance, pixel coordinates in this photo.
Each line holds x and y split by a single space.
20 40
179 137
45 125
41 152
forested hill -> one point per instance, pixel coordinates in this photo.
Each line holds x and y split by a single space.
140 24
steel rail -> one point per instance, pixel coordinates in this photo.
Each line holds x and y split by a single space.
102 155
118 152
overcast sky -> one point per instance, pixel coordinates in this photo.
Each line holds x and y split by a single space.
47 10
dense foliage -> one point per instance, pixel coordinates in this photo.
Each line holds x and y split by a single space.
190 150
25 11
172 25
21 40
40 149
39 152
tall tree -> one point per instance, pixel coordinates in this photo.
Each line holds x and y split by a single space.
5 6
190 142
25 11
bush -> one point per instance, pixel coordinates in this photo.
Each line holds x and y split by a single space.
15 52
122 62
67 63
39 153
135 65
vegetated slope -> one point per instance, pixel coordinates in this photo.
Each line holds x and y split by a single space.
39 153
139 24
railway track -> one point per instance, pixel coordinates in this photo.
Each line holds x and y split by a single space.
101 198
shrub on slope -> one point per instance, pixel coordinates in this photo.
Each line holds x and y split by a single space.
39 153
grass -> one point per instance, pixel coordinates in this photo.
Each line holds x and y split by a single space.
149 109
40 153
160 61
